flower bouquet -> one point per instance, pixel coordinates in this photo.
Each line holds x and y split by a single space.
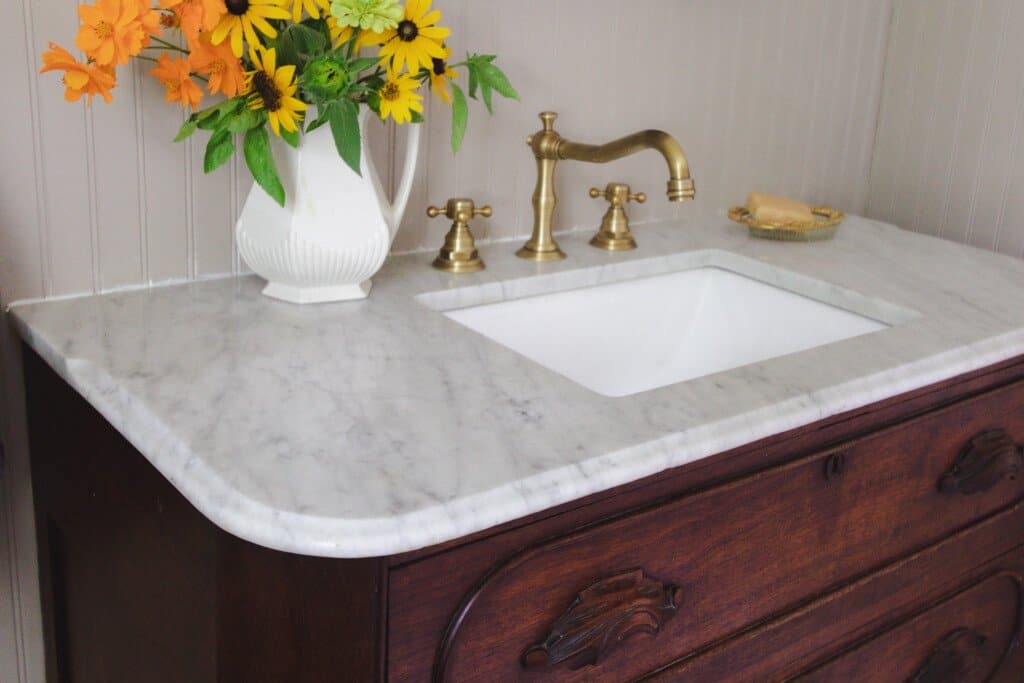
270 61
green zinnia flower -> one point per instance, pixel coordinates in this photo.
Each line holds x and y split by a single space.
324 78
369 15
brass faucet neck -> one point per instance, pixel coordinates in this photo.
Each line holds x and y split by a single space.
549 147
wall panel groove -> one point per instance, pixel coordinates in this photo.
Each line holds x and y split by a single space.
946 159
40 220
94 228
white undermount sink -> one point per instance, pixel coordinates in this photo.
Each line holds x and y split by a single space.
637 334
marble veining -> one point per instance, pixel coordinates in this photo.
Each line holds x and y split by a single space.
380 426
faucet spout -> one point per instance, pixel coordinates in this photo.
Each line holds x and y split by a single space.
680 185
549 148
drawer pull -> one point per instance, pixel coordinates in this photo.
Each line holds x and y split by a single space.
955 658
835 465
603 616
988 459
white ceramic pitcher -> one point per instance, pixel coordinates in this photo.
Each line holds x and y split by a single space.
336 228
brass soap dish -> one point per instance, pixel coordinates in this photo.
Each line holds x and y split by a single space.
822 229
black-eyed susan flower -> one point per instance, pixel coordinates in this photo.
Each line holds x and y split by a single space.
339 34
273 89
440 74
399 99
244 18
312 7
417 39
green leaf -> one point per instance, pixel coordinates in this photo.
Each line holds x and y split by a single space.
496 78
187 128
218 150
373 101
344 118
313 125
474 80
212 118
244 120
485 93
362 64
460 117
290 137
261 163
298 43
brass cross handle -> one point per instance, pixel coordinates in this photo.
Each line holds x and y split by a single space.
460 210
618 194
459 254
615 234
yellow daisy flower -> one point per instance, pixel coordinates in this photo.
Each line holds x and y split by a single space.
417 39
398 98
440 74
243 18
339 34
342 34
313 7
273 89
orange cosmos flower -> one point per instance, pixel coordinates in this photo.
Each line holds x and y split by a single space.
196 15
114 30
79 78
146 22
219 64
175 76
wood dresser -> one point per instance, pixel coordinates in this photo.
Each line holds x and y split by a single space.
885 544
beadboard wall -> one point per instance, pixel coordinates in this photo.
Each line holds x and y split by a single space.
949 157
100 199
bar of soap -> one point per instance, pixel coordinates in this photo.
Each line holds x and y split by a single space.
767 208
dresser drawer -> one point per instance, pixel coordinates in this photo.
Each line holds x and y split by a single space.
628 596
972 637
781 648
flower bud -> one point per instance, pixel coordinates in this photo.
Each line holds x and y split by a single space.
324 78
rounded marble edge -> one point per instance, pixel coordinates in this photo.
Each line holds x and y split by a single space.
290 532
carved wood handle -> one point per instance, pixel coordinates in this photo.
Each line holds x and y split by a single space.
601 617
987 459
955 658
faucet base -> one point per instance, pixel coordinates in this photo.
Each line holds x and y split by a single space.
550 252
610 242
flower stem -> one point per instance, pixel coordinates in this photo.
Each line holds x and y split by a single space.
167 45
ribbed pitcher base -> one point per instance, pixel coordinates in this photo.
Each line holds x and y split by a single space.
317 295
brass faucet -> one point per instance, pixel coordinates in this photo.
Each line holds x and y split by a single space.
549 147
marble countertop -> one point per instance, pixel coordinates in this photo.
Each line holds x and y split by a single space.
377 427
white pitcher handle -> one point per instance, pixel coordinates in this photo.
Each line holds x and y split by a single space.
412 152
